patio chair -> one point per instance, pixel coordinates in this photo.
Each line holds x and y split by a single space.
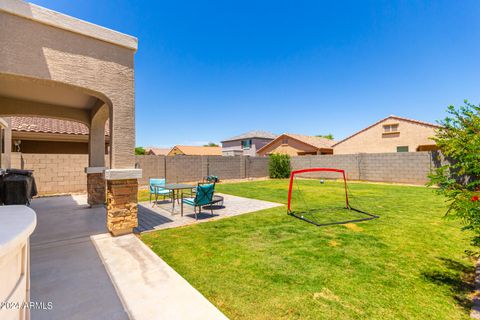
203 197
211 179
155 186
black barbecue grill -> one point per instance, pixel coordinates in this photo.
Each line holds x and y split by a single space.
17 187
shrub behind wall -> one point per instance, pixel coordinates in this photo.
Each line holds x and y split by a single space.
279 166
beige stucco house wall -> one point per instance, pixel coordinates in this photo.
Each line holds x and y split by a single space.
58 66
392 134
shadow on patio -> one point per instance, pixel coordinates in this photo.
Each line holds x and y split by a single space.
66 269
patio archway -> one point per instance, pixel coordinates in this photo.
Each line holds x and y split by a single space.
23 96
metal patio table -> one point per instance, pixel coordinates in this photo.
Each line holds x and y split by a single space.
175 188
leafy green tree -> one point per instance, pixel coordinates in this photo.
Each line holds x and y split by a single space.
139 151
458 176
327 136
279 166
211 144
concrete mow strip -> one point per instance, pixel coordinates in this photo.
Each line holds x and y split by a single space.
148 287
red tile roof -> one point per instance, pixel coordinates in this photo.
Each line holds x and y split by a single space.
316 142
157 151
49 125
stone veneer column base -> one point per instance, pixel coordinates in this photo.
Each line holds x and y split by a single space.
122 206
96 189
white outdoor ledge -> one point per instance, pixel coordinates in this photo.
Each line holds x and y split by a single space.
62 21
121 174
95 169
16 225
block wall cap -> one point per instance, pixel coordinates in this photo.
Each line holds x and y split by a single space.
95 169
121 174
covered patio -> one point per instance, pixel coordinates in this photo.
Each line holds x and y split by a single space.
57 66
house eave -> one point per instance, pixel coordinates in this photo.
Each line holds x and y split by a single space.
58 137
240 139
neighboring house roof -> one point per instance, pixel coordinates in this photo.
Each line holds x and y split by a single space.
316 142
157 151
198 150
423 123
253 134
50 125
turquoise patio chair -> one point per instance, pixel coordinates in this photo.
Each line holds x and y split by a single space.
203 197
155 187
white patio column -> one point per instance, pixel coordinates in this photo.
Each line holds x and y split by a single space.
5 142
122 177
7 139
1 146
96 157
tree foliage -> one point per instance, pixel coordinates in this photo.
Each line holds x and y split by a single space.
279 166
139 151
458 178
326 136
211 144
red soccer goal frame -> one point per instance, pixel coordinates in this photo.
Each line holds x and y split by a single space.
347 204
292 177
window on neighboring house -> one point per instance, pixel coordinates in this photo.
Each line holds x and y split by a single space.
389 128
246 144
285 141
402 149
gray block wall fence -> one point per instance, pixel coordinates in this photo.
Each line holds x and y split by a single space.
402 167
195 168
64 173
406 167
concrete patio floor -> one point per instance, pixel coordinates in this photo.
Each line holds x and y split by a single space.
66 269
152 218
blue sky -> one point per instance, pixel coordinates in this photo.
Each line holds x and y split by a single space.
208 70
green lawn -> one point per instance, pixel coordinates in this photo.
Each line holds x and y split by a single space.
408 264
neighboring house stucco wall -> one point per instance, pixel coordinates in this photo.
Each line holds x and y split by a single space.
374 140
231 147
